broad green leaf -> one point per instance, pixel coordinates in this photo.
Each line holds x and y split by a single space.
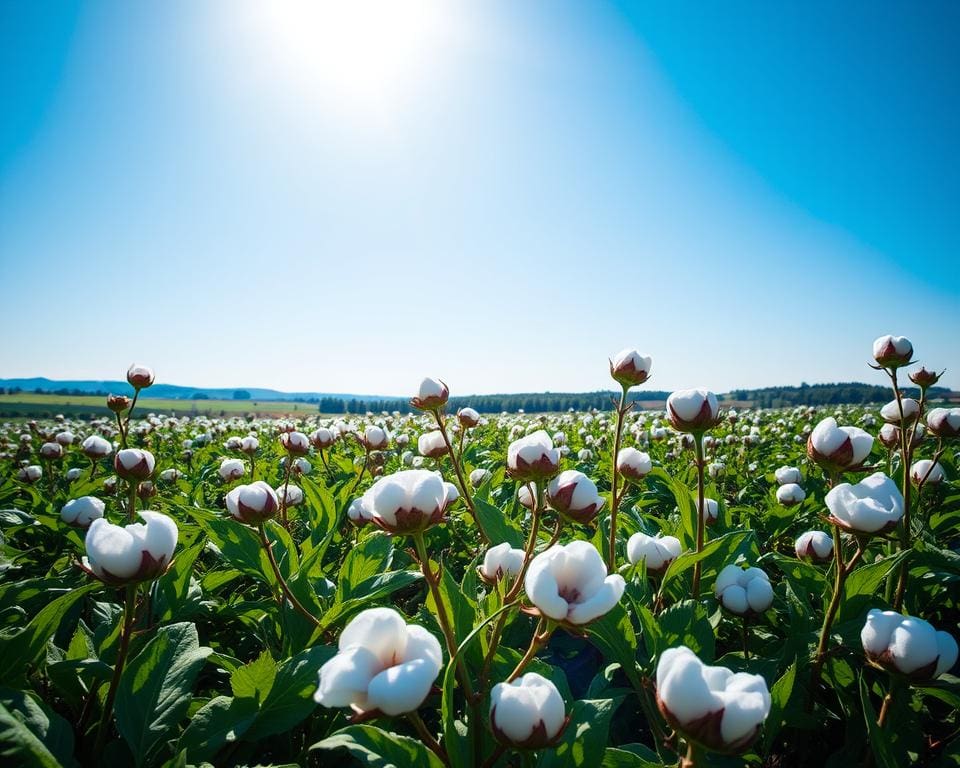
498 528
156 687
20 745
370 557
585 737
380 749
219 722
254 680
613 635
879 742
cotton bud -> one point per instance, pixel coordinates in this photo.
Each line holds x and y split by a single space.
383 665
890 413
233 443
787 475
407 458
501 562
136 552
133 464
374 438
924 378
51 451
295 443
925 472
323 438
249 445
629 368
232 469
118 403
252 504
944 422
527 495
570 583
814 545
146 490
693 410
139 376
357 513
790 495
301 466
29 474
65 438
873 505
110 486
433 394
838 448
633 464
907 646
574 496
81 512
713 706
409 501
889 436
742 591
74 473
468 418
289 495
170 475
479 476
432 444
710 510
528 713
95 447
656 551
533 457
892 351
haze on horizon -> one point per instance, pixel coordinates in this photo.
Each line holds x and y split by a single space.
345 197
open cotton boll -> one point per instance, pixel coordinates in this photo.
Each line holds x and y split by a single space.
743 591
501 562
528 713
871 506
431 395
83 511
926 472
136 552
892 351
838 448
629 368
574 496
907 645
656 551
890 413
533 458
570 583
814 545
693 410
409 501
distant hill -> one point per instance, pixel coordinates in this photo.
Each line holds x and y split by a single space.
90 387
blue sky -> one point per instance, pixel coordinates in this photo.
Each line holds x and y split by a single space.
347 197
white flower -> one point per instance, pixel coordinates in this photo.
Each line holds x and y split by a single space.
890 413
290 495
692 410
892 351
29 474
743 591
575 496
479 476
501 562
570 583
814 545
432 394
790 494
630 368
657 551
73 473
358 514
249 444
528 713
323 438
232 469
134 463
95 447
432 444
693 697
787 475
533 457
295 443
375 438
925 471
83 511
838 447
468 417
633 464
135 552
944 422
525 497
710 511
253 503
140 376
383 664
872 505
907 645
409 501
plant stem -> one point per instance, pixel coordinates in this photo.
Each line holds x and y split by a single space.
906 454
426 736
284 588
540 636
458 470
690 759
698 443
286 485
885 707
614 500
129 610
132 500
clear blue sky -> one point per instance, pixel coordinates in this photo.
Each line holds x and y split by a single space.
347 197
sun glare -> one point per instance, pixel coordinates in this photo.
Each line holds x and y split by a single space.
363 53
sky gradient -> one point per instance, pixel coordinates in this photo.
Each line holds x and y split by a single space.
348 197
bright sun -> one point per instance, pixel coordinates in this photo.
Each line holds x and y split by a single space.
364 53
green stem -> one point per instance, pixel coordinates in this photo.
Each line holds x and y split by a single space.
614 500
129 610
284 588
427 737
701 525
132 500
458 470
540 636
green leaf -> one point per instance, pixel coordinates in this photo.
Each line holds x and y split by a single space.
688 623
240 546
461 611
174 586
380 749
290 699
156 687
882 751
369 558
860 588
630 756
613 635
19 744
715 554
585 737
25 647
779 699
221 721
254 680
51 729
496 524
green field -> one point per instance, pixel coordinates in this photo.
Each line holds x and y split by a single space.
39 405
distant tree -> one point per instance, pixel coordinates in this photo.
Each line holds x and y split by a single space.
199 396
241 394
